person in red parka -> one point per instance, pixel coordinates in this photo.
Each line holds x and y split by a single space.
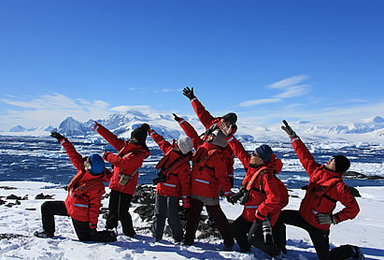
265 196
173 182
84 197
209 173
325 188
126 164
211 123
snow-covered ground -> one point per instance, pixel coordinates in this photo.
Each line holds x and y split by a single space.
365 231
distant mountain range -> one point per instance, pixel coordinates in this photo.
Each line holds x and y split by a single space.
122 124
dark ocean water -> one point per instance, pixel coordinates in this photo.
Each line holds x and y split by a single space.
43 159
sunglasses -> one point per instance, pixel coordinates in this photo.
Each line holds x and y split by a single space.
88 163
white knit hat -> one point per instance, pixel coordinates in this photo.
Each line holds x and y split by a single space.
185 144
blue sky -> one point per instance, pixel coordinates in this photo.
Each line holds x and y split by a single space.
321 61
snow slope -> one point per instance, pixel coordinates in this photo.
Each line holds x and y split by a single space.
365 231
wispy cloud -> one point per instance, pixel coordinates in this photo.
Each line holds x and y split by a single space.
290 87
254 102
143 108
50 110
167 90
289 82
293 91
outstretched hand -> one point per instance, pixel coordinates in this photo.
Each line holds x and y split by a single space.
188 92
288 129
58 136
227 130
176 117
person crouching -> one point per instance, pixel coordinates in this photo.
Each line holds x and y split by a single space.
84 197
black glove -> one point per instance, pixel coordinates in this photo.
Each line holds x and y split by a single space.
176 117
188 92
58 136
288 129
267 232
232 199
236 196
255 228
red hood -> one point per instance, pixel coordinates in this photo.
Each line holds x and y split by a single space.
275 164
325 176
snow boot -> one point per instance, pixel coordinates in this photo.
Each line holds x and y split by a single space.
42 234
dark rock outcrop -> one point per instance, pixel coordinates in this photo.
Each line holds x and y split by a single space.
41 196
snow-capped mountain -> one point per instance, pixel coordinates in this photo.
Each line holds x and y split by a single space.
18 128
123 123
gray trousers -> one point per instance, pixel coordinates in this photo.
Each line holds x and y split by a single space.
167 207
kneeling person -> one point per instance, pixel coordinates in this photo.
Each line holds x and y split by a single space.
84 197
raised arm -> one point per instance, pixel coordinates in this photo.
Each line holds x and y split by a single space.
76 158
109 136
189 131
305 157
204 116
161 142
239 151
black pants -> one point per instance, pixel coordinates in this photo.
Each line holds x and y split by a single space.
51 208
240 228
193 219
119 204
320 238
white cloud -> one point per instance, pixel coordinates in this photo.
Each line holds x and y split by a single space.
50 110
254 102
143 108
288 82
293 91
167 90
291 87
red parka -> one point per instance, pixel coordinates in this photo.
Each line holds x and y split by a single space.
83 205
209 170
325 188
128 160
268 195
178 183
208 120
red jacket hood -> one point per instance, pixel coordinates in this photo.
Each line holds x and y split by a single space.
325 177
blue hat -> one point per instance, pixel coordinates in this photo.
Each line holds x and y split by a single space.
264 152
97 164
